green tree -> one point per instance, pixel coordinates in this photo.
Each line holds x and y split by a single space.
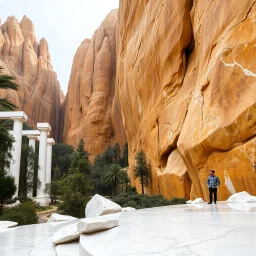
116 152
27 170
75 191
7 83
7 188
62 157
115 176
125 155
124 159
52 189
5 147
80 160
80 149
141 169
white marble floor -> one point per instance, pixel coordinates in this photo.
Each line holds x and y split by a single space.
220 229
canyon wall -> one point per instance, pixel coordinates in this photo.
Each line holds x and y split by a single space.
186 84
21 56
91 109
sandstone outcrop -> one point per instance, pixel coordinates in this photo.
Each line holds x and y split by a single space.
155 82
186 89
29 62
91 110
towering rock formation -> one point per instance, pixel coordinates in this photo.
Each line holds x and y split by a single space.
91 110
29 62
185 79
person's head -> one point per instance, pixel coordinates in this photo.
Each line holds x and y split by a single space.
212 172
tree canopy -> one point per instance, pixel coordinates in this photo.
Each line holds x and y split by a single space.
141 169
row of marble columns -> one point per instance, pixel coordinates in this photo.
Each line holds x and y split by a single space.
45 151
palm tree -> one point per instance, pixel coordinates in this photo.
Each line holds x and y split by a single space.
115 176
7 83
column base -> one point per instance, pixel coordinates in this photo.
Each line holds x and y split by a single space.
42 200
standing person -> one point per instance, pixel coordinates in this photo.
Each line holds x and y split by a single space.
213 184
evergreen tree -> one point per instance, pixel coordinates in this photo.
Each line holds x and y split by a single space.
141 169
125 155
62 157
80 149
6 141
116 151
7 188
75 190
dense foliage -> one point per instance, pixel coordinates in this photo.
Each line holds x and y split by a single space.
75 191
103 164
5 147
7 83
62 157
141 170
116 177
24 214
140 201
7 188
74 187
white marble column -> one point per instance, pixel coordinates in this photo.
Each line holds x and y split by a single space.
50 142
32 141
16 151
44 128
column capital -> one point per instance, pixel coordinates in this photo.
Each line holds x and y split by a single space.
15 115
44 127
32 137
19 119
51 141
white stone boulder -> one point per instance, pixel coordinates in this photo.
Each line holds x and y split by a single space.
8 224
241 197
91 225
128 209
198 201
66 234
189 202
55 217
99 206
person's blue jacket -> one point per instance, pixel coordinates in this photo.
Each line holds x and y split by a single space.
213 181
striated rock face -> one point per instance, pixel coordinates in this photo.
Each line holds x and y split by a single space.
29 62
220 126
91 110
154 87
185 79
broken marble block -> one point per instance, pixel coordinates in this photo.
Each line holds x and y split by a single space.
241 197
99 206
55 217
91 225
66 234
128 209
8 224
198 201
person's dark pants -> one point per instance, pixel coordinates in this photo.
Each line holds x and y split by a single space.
214 192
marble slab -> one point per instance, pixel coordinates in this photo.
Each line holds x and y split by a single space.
32 240
177 230
181 230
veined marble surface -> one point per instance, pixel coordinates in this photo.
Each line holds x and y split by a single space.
32 240
191 230
181 230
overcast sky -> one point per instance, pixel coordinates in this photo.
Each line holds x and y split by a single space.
64 23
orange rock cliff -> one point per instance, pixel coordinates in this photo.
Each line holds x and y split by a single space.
175 78
91 109
29 62
186 83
